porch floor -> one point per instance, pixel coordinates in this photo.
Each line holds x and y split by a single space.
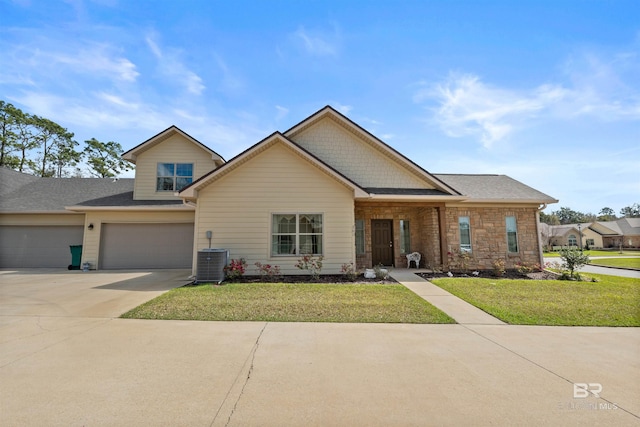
463 312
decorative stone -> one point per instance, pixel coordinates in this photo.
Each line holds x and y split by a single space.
369 273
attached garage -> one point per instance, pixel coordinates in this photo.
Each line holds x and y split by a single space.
32 246
146 246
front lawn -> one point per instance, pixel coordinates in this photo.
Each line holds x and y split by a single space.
618 262
612 301
288 302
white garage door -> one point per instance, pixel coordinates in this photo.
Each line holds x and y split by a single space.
146 246
38 246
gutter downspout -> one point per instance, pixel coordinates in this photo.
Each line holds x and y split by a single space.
540 256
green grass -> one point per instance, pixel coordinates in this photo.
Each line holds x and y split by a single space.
286 302
598 253
613 301
618 262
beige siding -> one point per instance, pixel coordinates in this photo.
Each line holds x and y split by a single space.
91 243
42 219
237 208
175 149
355 158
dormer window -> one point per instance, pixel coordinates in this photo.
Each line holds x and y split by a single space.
174 176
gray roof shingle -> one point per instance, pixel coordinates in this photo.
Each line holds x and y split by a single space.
494 187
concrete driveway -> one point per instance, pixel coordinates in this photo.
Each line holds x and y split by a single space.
65 360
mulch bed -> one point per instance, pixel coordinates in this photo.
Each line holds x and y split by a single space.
324 278
487 274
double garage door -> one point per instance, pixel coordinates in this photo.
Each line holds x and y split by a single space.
146 246
123 246
38 246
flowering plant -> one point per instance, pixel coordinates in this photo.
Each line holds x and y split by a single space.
268 272
349 271
311 263
235 269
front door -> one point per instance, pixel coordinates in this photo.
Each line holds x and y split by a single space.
382 241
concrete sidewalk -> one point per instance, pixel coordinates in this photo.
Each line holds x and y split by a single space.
463 312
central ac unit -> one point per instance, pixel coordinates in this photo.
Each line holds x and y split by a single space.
211 263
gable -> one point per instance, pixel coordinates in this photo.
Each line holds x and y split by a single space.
175 148
352 156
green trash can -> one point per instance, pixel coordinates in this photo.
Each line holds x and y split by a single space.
76 256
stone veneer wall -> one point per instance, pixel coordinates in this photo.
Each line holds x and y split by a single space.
489 236
423 228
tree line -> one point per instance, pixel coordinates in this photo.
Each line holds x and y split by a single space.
41 147
568 216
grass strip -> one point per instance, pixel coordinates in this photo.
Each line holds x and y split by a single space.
286 302
618 262
612 301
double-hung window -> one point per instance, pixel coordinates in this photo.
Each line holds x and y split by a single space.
465 233
173 176
295 234
512 234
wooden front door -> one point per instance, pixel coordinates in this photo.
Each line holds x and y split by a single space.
382 242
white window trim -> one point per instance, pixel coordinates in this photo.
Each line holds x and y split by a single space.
296 253
175 175
464 248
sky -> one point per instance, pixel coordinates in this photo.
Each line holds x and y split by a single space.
545 91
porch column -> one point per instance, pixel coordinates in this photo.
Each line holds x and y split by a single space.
442 224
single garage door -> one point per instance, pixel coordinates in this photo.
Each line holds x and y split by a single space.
146 246
38 246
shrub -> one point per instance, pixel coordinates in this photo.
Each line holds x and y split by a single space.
574 259
524 268
235 269
268 272
381 272
499 267
349 271
311 263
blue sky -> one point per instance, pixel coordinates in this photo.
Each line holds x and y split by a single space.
547 92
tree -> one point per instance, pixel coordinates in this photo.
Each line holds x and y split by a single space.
573 260
104 158
57 148
551 219
8 134
569 216
632 211
607 214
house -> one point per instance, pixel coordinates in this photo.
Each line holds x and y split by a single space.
324 187
623 232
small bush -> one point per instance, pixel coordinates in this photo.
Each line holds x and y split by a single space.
235 269
499 267
311 263
524 268
380 272
268 272
574 259
349 271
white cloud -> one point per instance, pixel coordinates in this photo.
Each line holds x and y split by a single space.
282 112
467 106
603 89
318 43
171 66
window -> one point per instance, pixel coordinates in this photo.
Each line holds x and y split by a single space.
405 237
512 234
573 241
359 236
174 176
591 242
293 234
465 233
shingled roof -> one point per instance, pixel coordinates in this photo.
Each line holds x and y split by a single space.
494 188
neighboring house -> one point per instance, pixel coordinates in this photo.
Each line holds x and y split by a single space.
596 235
324 187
